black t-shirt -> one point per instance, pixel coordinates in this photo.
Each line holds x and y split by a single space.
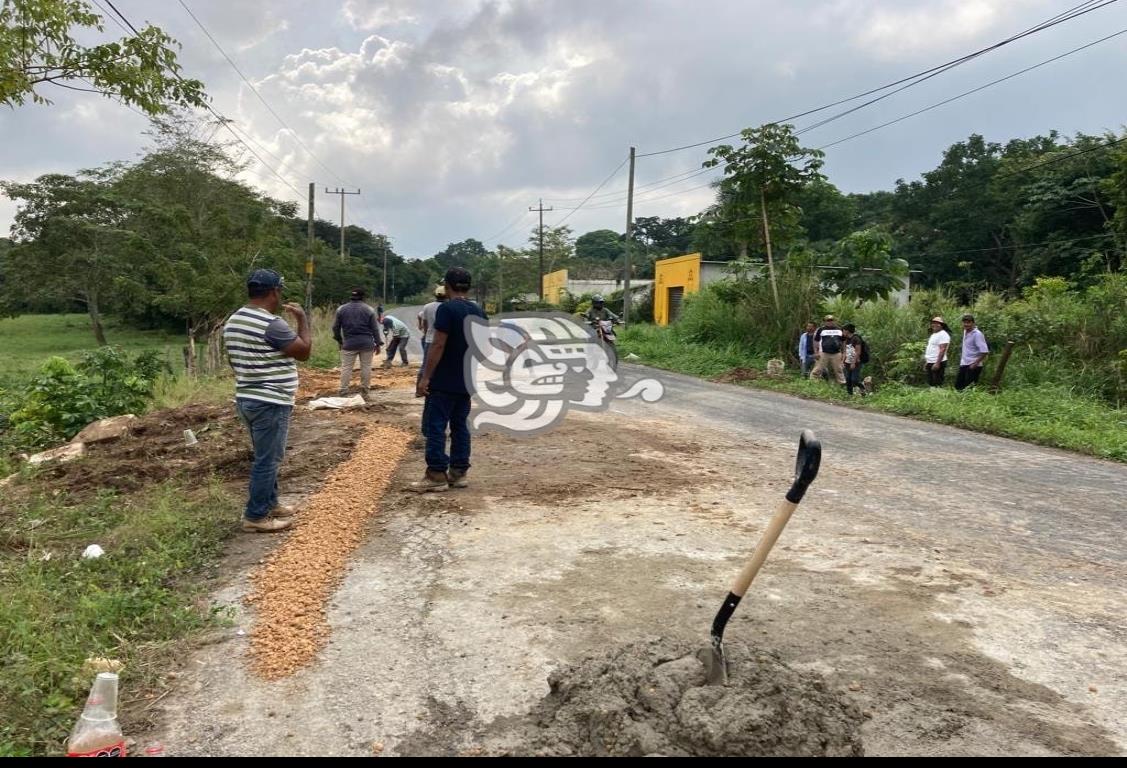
449 374
830 338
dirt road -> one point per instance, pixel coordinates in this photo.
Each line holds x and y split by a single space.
965 591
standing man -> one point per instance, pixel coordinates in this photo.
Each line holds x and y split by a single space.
973 354
935 356
806 349
827 350
399 334
447 393
854 358
263 350
357 330
426 324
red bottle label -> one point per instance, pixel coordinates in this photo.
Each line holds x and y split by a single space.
113 750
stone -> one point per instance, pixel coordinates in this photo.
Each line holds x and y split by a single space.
106 429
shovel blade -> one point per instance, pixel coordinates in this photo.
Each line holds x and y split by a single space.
715 663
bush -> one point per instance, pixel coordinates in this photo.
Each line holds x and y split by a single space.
63 398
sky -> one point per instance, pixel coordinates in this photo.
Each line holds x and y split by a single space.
453 117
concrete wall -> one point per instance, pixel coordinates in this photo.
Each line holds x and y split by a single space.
554 283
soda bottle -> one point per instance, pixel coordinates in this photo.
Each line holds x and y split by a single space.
97 733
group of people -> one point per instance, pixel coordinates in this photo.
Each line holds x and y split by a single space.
840 351
263 351
835 349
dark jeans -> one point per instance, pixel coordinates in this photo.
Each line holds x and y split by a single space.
400 343
807 366
853 379
442 410
269 426
935 373
967 376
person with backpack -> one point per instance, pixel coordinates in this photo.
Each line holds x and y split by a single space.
856 355
827 350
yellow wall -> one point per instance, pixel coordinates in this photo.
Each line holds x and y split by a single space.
679 271
555 283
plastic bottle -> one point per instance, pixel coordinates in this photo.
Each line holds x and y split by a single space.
97 733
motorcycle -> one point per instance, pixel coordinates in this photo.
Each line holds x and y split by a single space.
604 332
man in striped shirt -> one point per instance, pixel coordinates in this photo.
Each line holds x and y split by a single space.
263 350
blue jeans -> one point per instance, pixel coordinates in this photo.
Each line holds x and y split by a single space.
442 410
269 425
418 378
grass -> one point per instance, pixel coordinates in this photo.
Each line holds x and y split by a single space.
1052 415
29 340
136 603
178 391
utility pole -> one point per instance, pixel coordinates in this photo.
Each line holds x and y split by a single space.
309 259
342 193
541 209
383 296
629 238
500 282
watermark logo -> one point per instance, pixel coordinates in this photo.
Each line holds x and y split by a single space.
527 372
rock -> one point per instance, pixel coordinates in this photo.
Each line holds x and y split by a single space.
62 454
632 357
106 429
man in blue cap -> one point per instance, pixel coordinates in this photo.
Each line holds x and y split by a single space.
263 350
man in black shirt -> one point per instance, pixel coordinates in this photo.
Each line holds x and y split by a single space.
828 342
443 384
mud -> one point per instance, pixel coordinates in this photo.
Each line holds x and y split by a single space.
650 698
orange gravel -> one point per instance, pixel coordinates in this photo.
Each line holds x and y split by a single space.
314 381
291 588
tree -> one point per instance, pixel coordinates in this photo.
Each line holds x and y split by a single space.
870 272
38 47
558 246
600 245
72 244
827 214
764 176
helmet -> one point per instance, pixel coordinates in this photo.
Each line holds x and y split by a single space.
597 299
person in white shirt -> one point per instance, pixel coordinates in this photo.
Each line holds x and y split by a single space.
935 357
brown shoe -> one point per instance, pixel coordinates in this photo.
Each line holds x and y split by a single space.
432 482
457 478
282 513
265 525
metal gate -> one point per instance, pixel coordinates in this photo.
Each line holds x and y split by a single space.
676 297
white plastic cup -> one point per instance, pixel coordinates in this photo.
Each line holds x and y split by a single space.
190 437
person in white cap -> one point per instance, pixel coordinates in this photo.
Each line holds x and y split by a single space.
935 357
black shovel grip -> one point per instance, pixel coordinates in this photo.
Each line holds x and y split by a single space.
806 465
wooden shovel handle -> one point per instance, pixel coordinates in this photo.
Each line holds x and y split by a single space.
763 548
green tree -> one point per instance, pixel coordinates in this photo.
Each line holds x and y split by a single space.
39 46
72 241
762 179
827 214
600 245
869 270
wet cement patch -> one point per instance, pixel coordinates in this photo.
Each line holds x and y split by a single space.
651 698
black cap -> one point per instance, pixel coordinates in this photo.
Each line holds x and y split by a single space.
357 293
265 278
458 278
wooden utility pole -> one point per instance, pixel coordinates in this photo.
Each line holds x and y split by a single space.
500 282
383 295
541 209
309 259
629 238
342 193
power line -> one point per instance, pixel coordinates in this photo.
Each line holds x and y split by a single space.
603 184
656 182
254 90
915 79
511 224
972 91
1070 241
222 120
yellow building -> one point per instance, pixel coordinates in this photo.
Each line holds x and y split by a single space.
555 286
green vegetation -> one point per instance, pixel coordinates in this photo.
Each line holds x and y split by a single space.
1065 384
29 340
136 603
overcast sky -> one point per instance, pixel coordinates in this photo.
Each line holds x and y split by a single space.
454 116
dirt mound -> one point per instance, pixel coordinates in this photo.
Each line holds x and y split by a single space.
650 698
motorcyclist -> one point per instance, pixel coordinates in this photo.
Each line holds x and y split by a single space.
599 311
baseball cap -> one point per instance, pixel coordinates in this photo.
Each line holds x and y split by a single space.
828 318
457 277
938 319
266 278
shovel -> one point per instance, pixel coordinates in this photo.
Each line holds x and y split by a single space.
805 470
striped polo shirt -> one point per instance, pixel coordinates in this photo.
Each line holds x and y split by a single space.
261 371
